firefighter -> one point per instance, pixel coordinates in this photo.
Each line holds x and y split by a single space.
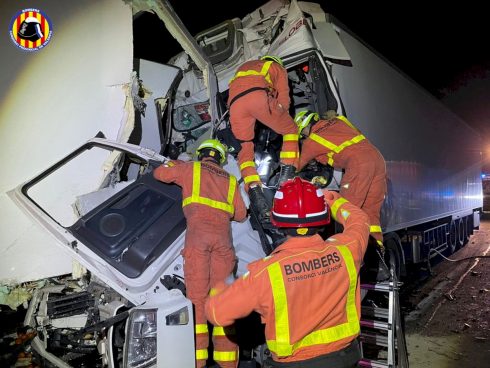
260 91
307 291
211 198
338 143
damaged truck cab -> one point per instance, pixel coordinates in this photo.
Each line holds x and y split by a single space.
128 235
127 230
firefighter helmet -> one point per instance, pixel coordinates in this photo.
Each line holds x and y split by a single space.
212 147
303 118
276 59
30 29
298 203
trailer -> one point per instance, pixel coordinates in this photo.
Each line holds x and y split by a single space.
433 158
126 307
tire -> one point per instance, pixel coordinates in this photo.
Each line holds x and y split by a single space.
470 226
452 239
467 230
460 233
393 253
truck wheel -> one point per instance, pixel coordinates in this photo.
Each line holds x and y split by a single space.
452 239
467 230
393 254
461 233
470 226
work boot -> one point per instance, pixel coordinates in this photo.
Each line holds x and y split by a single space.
287 172
259 203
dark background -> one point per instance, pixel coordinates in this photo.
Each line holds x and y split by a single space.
444 47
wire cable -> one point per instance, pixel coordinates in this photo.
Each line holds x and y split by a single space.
458 260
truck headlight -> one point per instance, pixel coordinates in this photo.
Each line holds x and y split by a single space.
141 343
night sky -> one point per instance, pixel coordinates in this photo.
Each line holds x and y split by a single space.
442 47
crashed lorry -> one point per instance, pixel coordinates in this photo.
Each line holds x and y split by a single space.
127 230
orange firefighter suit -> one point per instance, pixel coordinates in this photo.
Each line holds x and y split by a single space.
211 197
338 143
307 291
260 91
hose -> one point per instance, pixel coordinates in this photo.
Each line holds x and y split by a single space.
458 260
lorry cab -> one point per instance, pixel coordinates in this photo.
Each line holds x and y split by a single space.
127 230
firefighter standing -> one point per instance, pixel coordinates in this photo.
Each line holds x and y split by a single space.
338 143
211 197
260 91
307 291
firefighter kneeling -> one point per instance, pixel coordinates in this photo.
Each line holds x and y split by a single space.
307 291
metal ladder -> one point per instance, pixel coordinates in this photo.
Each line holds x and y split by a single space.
382 328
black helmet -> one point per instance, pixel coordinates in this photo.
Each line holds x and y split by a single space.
30 29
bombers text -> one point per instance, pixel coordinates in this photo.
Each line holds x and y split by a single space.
312 264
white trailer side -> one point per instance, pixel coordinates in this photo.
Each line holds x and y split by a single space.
433 157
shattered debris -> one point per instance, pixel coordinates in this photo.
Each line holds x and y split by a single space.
16 295
449 297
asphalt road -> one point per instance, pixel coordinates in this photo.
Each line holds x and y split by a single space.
449 320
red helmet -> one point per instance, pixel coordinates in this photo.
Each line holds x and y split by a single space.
298 203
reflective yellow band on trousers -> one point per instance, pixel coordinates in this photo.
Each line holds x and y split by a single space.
196 187
286 154
201 328
290 137
201 354
375 229
281 346
223 331
224 356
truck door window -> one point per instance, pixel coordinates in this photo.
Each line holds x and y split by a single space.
80 184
